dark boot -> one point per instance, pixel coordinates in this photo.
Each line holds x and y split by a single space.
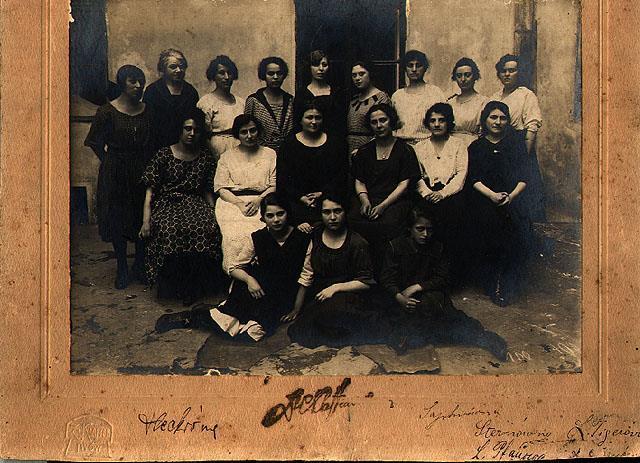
122 276
173 321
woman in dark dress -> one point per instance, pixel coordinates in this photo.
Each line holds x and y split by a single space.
265 281
170 97
330 99
121 135
499 168
272 106
415 276
310 163
384 169
183 251
331 303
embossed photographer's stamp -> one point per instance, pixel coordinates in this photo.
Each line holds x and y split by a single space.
89 436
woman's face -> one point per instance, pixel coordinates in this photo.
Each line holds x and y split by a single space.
509 74
319 72
380 124
415 71
275 218
333 215
133 88
223 77
421 231
248 135
496 122
274 76
360 77
437 124
190 133
175 69
312 121
464 77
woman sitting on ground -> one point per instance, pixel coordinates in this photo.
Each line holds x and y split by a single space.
416 277
265 283
183 250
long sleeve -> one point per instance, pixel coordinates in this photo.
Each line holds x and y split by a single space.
460 170
360 261
389 275
438 279
99 131
222 177
306 276
273 173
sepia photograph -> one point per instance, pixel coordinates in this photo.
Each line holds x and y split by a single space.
325 187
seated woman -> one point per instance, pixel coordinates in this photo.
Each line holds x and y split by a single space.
416 278
183 247
383 170
443 160
310 163
499 168
330 305
265 283
221 106
272 106
245 175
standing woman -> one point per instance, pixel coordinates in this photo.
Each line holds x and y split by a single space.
271 106
526 119
367 95
121 136
170 97
467 105
310 163
383 170
499 168
327 96
245 175
179 221
220 106
412 101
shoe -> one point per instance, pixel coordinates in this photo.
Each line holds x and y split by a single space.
493 343
173 321
122 279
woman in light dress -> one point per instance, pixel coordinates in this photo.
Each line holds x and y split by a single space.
245 175
412 101
221 106
468 104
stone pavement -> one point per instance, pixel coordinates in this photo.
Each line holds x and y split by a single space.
112 332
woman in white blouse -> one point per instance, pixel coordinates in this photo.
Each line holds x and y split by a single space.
526 119
245 174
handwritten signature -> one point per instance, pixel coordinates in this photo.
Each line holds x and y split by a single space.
182 424
433 414
324 400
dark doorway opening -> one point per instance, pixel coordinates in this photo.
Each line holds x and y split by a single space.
349 31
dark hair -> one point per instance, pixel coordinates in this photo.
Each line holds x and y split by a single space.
196 115
308 106
168 53
262 67
224 60
490 106
466 62
419 211
504 60
129 71
368 65
316 56
274 199
441 108
415 55
389 110
336 197
242 120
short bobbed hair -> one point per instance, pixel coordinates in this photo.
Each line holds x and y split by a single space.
368 65
170 53
197 116
504 60
389 110
262 67
311 105
336 197
316 56
415 55
441 108
224 60
274 199
475 70
242 120
129 71
488 108
419 211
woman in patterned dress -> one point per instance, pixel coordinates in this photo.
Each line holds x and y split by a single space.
245 175
272 106
358 129
121 136
220 106
183 250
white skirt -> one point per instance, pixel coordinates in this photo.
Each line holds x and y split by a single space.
236 229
